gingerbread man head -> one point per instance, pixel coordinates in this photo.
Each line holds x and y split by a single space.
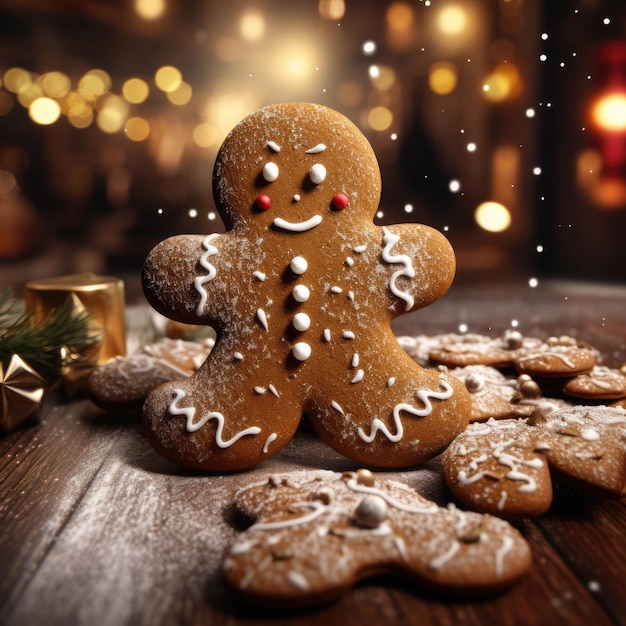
311 173
301 290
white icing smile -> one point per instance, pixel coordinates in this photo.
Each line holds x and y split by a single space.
298 227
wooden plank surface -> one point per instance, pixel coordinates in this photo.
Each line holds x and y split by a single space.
96 528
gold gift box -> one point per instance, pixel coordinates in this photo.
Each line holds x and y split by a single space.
102 297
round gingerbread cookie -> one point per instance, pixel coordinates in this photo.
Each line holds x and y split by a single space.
601 383
557 357
301 290
124 382
493 394
315 535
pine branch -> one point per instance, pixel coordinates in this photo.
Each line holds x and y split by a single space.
40 343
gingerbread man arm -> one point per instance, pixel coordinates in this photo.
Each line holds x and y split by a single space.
178 277
420 262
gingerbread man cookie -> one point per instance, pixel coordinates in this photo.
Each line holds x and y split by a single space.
301 290
315 535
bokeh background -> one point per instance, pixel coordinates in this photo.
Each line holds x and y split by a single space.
500 122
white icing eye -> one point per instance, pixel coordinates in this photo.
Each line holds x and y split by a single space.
270 172
317 173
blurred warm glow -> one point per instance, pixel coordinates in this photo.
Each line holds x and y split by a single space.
605 192
382 77
44 111
96 82
350 93
380 118
205 135
112 113
181 95
505 175
135 90
137 129
252 24
452 20
400 22
400 16
503 83
55 84
609 112
493 217
168 78
150 9
228 49
442 78
29 93
331 9
16 79
8 184
6 103
295 59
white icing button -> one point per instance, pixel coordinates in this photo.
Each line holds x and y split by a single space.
336 289
259 276
298 265
348 334
301 321
326 335
300 293
349 261
358 376
238 356
317 173
301 351
296 197
270 172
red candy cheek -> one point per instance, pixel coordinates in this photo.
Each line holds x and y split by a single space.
263 202
340 201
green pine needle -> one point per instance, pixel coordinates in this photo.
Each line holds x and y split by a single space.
40 343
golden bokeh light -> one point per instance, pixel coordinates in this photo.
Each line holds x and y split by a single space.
383 77
503 83
609 112
181 95
16 79
252 24
331 9
400 16
28 94
452 20
493 217
137 128
442 77
168 78
380 118
96 82
44 111
112 114
150 9
205 135
55 84
135 90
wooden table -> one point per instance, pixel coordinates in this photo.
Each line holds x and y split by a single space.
97 529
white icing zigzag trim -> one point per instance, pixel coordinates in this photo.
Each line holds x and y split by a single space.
190 411
390 241
424 396
211 271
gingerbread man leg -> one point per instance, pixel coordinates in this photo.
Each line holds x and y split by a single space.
198 423
391 415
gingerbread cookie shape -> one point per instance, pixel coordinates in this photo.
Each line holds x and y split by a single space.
301 290
316 534
507 467
125 381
